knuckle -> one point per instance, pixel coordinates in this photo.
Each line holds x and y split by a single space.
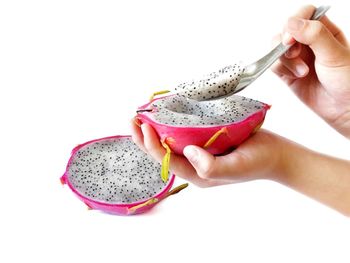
207 171
317 28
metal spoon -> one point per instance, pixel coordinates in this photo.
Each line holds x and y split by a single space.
254 70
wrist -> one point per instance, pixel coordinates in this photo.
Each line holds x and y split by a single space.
342 124
278 158
293 159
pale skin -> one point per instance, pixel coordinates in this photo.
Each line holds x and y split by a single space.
317 69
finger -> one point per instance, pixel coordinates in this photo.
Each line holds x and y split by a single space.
179 165
156 150
294 51
233 165
255 158
152 143
326 48
202 161
281 71
278 68
296 66
136 134
335 30
304 12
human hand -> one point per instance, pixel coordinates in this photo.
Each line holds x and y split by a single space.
260 157
317 67
263 156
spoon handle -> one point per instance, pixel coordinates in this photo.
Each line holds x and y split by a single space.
319 12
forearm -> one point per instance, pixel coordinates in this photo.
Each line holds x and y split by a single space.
324 178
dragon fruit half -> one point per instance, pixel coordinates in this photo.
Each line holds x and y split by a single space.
217 125
113 175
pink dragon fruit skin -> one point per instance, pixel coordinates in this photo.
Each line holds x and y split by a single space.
115 208
178 137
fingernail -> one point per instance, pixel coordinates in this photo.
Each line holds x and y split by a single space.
191 154
301 70
295 24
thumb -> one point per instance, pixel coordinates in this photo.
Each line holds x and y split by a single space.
325 46
202 161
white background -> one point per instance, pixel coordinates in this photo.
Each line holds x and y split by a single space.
71 71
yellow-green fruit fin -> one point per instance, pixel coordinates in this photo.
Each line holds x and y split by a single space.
158 93
177 189
214 137
149 202
165 163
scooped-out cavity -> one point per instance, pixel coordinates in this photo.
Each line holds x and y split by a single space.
181 111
